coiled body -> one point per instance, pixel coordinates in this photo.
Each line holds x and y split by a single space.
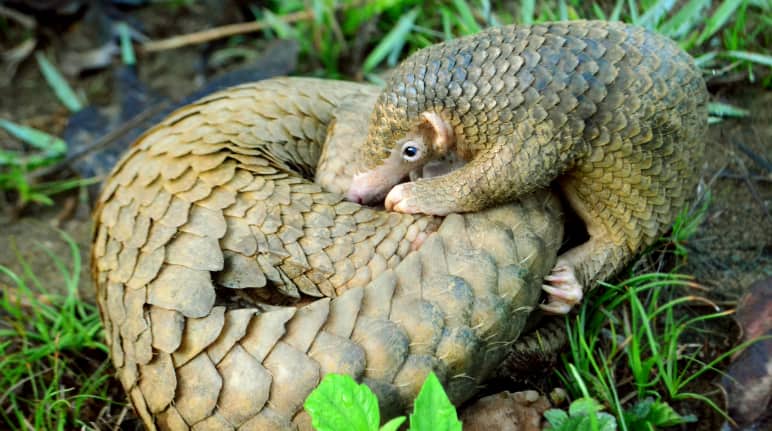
229 284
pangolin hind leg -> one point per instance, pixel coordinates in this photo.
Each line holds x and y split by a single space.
579 268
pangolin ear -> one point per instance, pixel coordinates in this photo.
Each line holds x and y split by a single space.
438 132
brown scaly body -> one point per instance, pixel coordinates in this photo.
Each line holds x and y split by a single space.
229 284
613 113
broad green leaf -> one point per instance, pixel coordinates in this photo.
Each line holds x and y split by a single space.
584 406
662 415
50 144
57 82
396 37
607 422
723 13
339 403
649 414
556 417
762 59
432 409
394 424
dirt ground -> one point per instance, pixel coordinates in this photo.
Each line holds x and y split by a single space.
731 249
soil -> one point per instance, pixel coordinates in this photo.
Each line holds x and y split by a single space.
731 249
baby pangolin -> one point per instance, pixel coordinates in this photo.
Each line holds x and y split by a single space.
613 114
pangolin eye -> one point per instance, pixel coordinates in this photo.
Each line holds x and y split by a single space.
410 153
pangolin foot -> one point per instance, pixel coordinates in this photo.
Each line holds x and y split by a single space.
401 199
564 290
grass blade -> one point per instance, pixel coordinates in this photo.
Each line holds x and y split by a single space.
753 57
562 10
52 145
633 8
655 13
726 110
57 82
395 38
127 50
705 60
466 17
527 11
599 14
617 12
684 20
724 12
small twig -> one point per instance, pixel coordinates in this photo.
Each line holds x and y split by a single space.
120 419
757 158
103 141
220 32
736 176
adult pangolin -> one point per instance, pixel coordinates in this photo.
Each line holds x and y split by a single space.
612 113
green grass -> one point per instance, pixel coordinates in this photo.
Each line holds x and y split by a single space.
726 35
629 343
53 362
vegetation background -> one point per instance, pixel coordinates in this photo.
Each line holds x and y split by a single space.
664 334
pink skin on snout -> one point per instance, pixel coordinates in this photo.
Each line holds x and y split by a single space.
368 188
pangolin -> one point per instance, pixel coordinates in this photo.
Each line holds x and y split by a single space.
611 113
229 284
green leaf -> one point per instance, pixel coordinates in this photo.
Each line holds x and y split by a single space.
723 13
583 414
396 37
60 86
650 414
584 406
394 424
556 417
339 403
433 410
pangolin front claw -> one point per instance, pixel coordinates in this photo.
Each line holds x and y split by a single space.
564 290
401 199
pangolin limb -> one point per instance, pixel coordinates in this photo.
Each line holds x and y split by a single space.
229 284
